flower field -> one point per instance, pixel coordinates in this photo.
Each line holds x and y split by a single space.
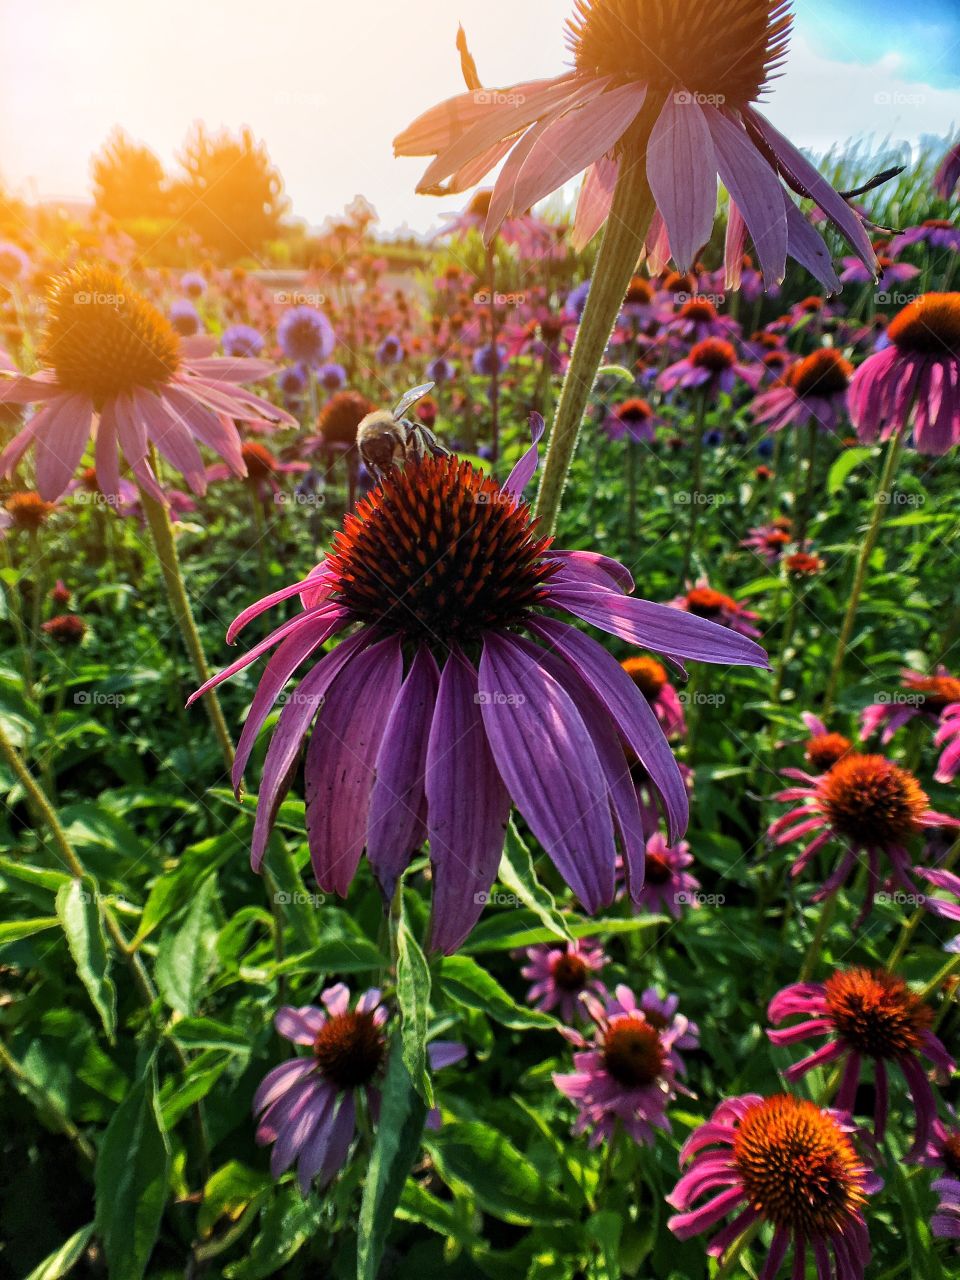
480 715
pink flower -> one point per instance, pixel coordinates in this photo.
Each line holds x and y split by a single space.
668 886
712 366
627 1073
561 974
694 123
948 175
784 1161
812 390
948 737
923 695
865 1013
704 602
117 371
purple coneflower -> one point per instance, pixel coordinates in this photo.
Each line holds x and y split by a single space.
948 175
948 737
868 804
891 273
664 1013
769 541
436 690
651 679
668 886
812 390
663 79
945 1222
634 418
626 1073
440 371
711 366
923 695
306 335
703 602
872 1014
783 1161
561 974
938 233
113 360
917 376
823 748
949 883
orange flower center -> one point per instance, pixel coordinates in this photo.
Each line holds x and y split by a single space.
670 46
875 1013
260 461
928 327
699 311
798 1168
436 550
707 603
635 410
632 1052
639 291
872 801
349 1049
938 691
342 414
825 749
803 563
29 511
647 674
825 373
103 338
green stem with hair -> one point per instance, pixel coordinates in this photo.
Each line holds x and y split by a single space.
696 483
623 238
161 529
881 500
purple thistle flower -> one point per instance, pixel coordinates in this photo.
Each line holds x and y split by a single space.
440 371
561 974
184 317
305 335
627 1072
242 340
436 692
488 360
390 350
872 1014
193 284
332 376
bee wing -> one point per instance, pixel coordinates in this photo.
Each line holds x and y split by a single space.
411 397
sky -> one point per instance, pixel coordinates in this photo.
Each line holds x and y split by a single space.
328 83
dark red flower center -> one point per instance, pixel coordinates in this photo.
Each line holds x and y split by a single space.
672 46
342 414
647 674
798 1168
640 291
569 972
928 327
633 1053
260 461
713 354
825 373
803 563
349 1049
698 311
66 628
872 801
635 410
436 551
876 1014
707 603
103 338
658 869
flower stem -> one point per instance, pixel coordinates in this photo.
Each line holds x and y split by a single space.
160 527
622 244
732 1256
806 503
948 970
827 912
696 482
881 500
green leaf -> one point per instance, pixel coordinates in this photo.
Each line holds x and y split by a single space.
207 1033
502 1181
466 983
14 930
38 877
606 1228
618 371
228 1193
131 1181
413 996
184 957
62 1261
402 1116
285 1227
344 954
517 874
848 461
78 909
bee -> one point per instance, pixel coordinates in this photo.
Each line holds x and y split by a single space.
387 439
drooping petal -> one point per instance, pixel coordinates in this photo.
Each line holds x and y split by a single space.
682 171
594 201
544 754
61 443
466 840
397 798
756 189
172 439
807 246
523 472
338 772
440 126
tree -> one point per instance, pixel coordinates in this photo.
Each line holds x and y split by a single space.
231 194
128 179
